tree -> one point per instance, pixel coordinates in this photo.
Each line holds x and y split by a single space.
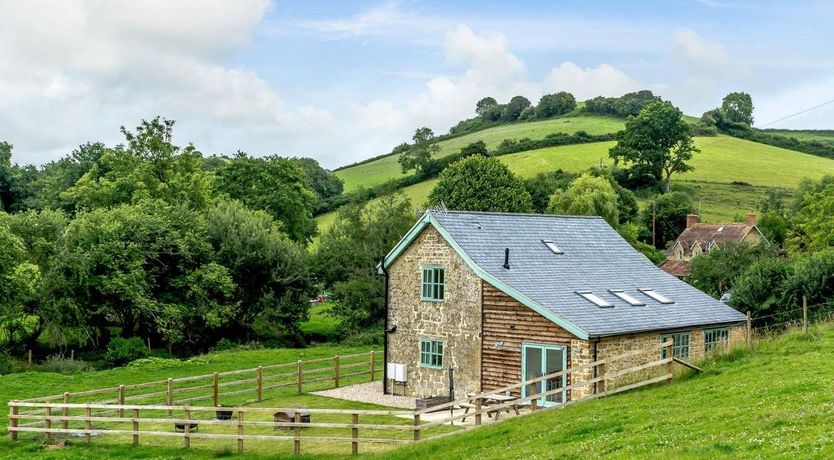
476 148
587 196
275 185
760 288
811 211
716 272
270 272
774 227
657 138
480 184
670 214
542 186
513 110
484 104
323 182
351 248
58 176
419 154
551 105
738 107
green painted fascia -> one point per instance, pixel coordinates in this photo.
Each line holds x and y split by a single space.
483 274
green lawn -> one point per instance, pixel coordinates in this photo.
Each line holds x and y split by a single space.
321 326
387 168
722 161
776 402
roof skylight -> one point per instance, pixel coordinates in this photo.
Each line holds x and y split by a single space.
595 299
627 297
656 296
552 246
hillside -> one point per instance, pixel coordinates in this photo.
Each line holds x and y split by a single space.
774 402
730 175
379 171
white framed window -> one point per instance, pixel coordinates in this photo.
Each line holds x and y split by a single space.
716 338
552 246
627 297
595 299
434 284
431 353
680 349
656 295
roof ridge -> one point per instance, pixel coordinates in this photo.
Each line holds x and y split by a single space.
521 214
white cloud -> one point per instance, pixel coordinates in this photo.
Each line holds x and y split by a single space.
701 55
799 98
486 56
602 80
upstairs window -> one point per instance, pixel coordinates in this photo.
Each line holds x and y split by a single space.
434 284
656 296
716 338
431 353
680 349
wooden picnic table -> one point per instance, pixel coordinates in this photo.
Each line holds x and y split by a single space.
495 399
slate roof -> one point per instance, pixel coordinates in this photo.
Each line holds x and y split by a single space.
595 258
703 234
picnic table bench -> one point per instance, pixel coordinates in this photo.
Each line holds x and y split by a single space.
492 400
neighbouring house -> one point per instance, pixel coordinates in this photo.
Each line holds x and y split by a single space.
498 298
701 238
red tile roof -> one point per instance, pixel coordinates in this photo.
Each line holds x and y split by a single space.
704 234
679 268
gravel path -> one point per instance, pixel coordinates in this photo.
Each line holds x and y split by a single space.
370 392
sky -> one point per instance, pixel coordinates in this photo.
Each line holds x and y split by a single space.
344 81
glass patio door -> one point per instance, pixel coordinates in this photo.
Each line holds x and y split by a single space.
540 360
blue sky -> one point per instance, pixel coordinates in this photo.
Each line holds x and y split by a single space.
342 81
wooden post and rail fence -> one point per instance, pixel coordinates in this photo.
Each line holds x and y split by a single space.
58 415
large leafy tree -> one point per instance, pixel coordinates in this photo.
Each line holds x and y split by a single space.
551 105
323 182
587 196
670 211
270 272
350 250
485 104
543 185
717 271
813 228
418 155
275 185
480 184
760 287
58 176
658 139
738 107
514 108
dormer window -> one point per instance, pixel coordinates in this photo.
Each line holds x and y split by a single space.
552 246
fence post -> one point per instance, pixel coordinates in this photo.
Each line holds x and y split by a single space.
48 424
601 375
416 427
670 354
135 427
749 330
354 445
299 376
240 431
478 411
215 384
296 447
13 420
88 424
66 409
121 400
30 358
805 315
187 428
170 394
372 365
336 370
260 383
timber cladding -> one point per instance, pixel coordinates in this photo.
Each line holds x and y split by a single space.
506 325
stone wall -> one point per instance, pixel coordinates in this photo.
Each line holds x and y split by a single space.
456 320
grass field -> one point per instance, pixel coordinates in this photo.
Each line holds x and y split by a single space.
774 402
825 136
321 326
722 169
381 170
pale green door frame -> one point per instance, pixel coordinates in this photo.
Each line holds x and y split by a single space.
538 360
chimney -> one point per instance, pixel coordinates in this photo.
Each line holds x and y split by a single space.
691 219
751 218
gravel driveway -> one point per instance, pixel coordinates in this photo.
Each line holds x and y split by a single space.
370 393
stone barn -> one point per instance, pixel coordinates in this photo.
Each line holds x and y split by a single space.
495 298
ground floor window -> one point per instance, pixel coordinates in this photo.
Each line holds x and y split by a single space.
681 346
716 338
431 353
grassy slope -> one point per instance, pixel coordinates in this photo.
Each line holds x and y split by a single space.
722 160
825 136
387 168
776 402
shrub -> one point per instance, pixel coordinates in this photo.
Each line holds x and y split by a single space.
61 365
9 364
361 338
154 363
122 351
